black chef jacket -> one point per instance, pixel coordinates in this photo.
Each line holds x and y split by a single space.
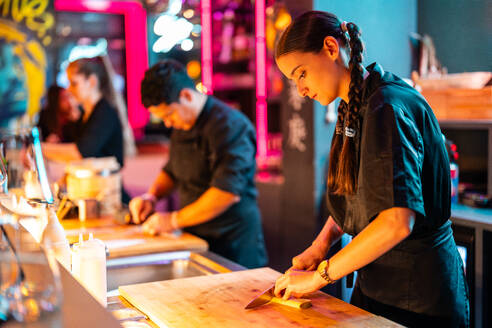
219 151
403 163
101 135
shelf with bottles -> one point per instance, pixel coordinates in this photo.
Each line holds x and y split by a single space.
233 30
473 142
233 45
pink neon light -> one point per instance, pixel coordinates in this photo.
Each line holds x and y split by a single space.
261 88
136 48
206 38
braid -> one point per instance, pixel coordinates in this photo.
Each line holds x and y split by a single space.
336 147
346 174
356 71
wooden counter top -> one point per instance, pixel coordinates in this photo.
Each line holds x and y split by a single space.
219 300
127 240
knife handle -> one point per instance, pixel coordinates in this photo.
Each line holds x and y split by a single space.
297 303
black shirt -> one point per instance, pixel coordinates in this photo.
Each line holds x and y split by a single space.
101 135
403 163
219 151
403 159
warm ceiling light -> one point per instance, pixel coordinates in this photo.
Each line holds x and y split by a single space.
194 69
188 13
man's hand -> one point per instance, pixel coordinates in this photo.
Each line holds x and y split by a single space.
158 223
141 208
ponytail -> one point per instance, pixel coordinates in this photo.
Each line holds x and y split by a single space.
95 65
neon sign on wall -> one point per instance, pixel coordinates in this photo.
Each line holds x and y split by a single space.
136 48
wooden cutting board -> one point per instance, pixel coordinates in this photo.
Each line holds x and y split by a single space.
128 240
219 300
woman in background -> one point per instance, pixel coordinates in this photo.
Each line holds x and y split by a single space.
59 118
100 133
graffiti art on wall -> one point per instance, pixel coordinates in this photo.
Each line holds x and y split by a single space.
25 34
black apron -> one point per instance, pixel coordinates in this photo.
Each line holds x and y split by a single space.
424 276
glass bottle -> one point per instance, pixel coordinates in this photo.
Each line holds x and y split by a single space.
30 287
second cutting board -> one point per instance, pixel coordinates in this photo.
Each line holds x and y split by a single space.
128 240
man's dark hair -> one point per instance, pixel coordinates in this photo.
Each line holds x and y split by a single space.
163 82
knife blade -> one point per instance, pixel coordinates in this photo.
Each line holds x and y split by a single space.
267 296
261 299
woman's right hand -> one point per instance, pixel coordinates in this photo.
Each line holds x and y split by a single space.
140 209
310 258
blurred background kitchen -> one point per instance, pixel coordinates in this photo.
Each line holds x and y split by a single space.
443 48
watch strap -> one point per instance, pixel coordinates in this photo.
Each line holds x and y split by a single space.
323 271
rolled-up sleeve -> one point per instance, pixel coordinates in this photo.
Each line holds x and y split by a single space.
392 160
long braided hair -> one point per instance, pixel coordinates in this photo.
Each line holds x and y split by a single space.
306 34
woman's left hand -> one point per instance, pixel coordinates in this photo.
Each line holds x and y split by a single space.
158 223
298 283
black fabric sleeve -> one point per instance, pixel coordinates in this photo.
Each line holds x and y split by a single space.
233 147
99 129
391 161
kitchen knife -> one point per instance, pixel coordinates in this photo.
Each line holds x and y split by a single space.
268 296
